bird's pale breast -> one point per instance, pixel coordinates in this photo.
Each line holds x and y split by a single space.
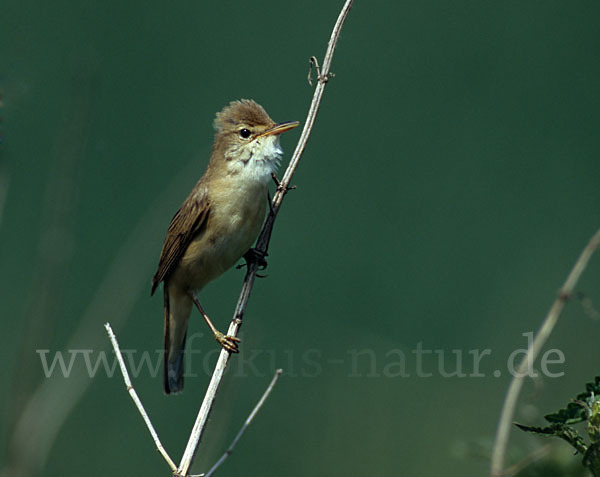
236 215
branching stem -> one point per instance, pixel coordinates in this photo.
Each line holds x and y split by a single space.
259 404
262 245
136 399
510 401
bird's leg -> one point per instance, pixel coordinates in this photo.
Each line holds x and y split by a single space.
230 343
270 201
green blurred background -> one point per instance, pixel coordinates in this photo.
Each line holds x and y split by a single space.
450 182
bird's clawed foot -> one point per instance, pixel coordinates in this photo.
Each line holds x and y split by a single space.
229 343
256 256
279 185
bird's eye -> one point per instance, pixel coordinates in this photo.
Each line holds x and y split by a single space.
245 133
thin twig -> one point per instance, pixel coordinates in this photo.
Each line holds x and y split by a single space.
48 407
259 404
510 401
136 399
530 459
321 77
262 245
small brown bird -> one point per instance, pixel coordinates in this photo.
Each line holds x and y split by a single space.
217 223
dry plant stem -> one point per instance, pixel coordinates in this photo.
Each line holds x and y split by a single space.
115 295
262 245
510 401
136 399
259 404
530 459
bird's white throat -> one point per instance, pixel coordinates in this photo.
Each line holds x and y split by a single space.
255 161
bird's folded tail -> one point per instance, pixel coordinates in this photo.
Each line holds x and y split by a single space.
177 314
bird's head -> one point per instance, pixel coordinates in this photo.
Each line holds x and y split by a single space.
247 140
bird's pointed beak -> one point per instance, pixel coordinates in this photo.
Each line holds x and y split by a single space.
279 128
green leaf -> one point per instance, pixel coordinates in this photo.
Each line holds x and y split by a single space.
575 412
572 414
536 430
591 459
559 430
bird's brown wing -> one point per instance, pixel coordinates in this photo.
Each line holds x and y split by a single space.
188 222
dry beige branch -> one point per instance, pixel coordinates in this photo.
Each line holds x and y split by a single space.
259 404
510 401
136 399
262 245
46 410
